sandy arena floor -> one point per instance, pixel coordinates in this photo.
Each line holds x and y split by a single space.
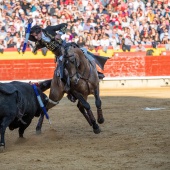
131 139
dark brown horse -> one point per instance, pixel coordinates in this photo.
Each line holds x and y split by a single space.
83 81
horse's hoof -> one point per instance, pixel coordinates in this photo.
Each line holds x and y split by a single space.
38 132
21 137
97 131
100 121
2 147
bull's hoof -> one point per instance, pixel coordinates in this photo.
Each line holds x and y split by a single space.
38 132
2 147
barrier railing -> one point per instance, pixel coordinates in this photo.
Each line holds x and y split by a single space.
14 66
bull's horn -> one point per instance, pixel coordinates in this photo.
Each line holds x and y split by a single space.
52 102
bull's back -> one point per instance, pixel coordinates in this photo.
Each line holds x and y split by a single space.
28 97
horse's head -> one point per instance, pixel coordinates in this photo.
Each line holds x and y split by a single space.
71 59
76 63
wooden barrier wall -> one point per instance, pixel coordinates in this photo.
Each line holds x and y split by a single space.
33 67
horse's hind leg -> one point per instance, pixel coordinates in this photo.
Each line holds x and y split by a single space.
86 105
82 110
98 103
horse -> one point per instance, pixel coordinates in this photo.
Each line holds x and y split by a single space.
83 81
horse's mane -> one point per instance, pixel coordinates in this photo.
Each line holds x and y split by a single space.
76 49
71 44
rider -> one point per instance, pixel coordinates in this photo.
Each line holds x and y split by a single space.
52 41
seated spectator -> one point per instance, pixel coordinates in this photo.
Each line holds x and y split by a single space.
2 46
73 33
87 25
104 42
140 47
88 42
114 43
81 42
96 42
167 45
3 33
11 43
127 43
148 41
18 42
137 40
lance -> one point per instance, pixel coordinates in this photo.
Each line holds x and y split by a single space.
27 36
41 103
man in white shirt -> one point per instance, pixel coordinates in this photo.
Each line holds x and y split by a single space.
104 42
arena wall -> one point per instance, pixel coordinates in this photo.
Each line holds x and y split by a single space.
123 70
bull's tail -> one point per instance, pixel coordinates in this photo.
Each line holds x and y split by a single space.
20 106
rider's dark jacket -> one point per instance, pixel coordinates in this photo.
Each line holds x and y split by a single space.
50 32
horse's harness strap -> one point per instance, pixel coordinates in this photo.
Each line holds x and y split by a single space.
85 72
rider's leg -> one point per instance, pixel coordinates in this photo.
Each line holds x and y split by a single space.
92 61
89 57
63 77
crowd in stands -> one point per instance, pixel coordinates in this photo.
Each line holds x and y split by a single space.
91 23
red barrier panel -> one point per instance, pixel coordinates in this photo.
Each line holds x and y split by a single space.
157 66
26 69
121 65
126 64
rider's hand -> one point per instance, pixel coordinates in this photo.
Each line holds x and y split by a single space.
30 20
58 36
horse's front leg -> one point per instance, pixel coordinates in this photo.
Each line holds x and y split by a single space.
98 103
86 105
82 110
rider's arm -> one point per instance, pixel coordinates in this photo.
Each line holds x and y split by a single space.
61 28
31 38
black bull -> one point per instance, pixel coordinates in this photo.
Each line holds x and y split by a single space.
19 105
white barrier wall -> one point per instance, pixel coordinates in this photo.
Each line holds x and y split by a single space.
135 82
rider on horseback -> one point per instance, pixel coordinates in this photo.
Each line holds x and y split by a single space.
52 41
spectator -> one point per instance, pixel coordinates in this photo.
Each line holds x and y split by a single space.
96 42
87 25
128 43
81 42
18 41
167 45
11 43
140 47
2 46
104 42
3 33
114 43
51 9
